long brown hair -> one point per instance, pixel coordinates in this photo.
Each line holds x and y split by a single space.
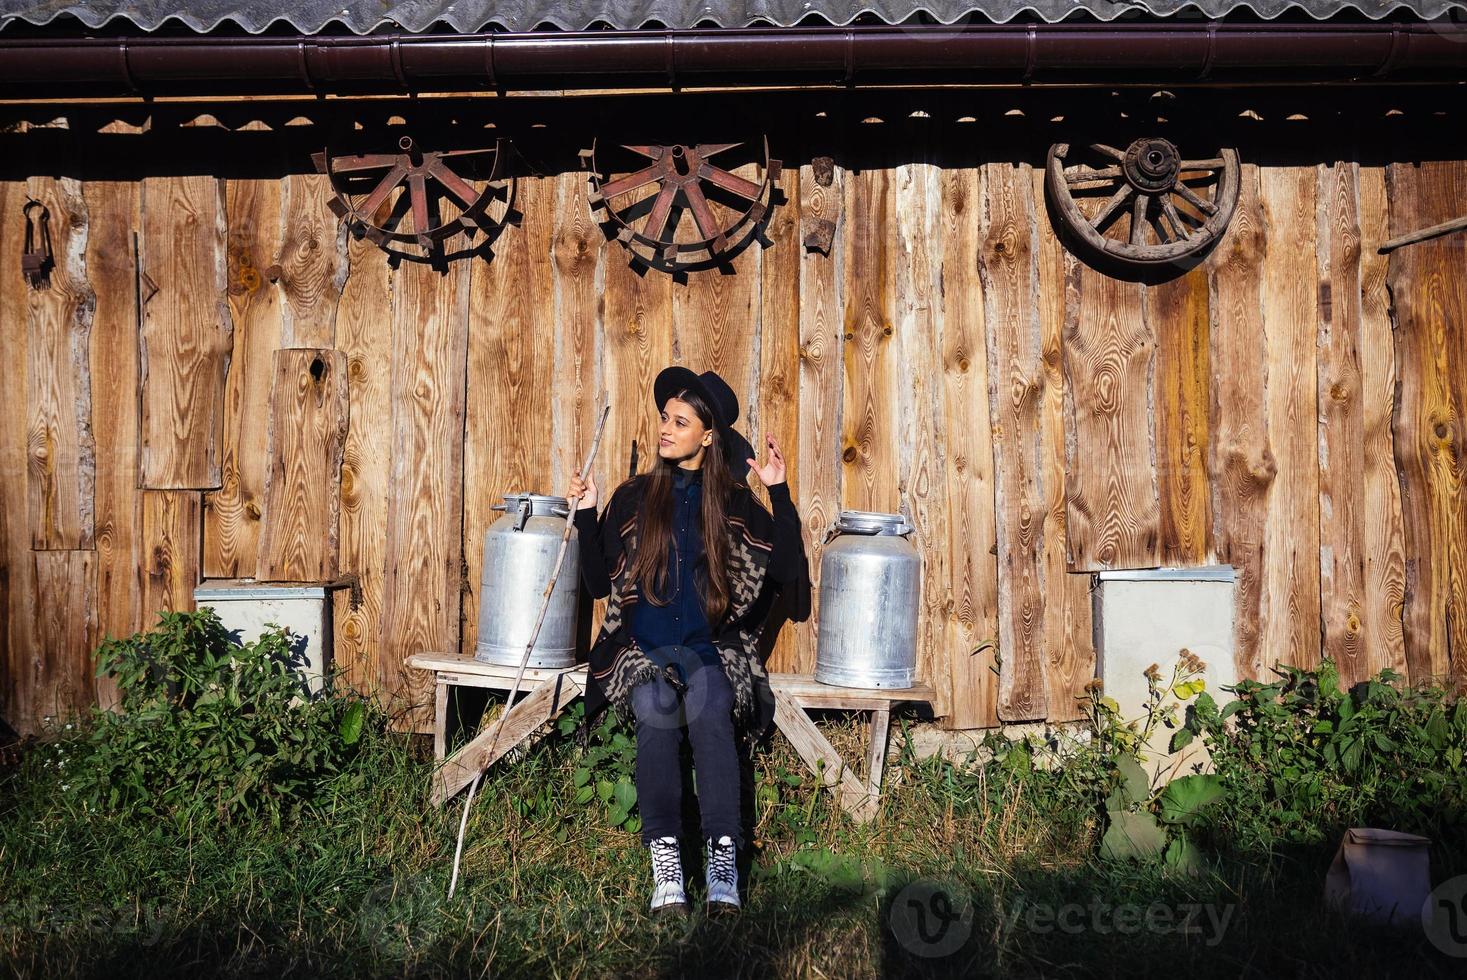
649 568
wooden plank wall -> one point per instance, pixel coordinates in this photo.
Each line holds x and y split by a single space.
946 356
1428 286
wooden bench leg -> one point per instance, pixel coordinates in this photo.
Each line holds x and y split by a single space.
522 721
876 761
815 749
440 721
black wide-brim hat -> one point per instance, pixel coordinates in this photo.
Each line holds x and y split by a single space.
720 399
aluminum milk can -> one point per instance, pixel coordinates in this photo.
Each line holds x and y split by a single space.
870 591
519 554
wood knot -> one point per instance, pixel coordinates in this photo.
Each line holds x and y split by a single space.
252 510
1338 392
962 364
849 455
274 273
850 336
317 369
886 331
1264 471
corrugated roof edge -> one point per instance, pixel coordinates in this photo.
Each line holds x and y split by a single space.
1102 11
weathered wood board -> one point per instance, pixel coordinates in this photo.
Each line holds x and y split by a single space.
364 337
1383 546
869 415
1290 313
424 570
1428 287
921 426
1068 643
187 333
60 681
1243 463
578 255
308 420
1342 465
17 569
62 448
311 267
1017 383
775 407
972 536
821 377
232 513
172 525
114 348
1113 518
1179 314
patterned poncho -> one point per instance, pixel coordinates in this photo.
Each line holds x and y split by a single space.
766 560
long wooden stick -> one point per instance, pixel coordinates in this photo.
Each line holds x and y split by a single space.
1435 231
514 689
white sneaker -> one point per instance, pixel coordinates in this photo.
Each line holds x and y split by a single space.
720 864
667 876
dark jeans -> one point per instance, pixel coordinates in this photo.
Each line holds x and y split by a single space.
707 710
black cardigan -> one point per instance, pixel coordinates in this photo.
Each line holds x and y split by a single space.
603 566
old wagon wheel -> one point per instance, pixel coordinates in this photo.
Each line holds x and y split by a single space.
1176 207
421 190
647 202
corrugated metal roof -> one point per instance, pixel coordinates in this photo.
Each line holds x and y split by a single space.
370 16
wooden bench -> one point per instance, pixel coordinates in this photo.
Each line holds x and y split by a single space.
550 692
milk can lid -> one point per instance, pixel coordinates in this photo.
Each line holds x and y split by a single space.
872 522
541 505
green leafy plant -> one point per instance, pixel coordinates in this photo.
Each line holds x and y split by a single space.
605 774
209 727
1302 759
1142 821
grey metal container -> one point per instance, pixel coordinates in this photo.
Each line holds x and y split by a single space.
519 554
870 591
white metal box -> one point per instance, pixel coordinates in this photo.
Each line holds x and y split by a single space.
246 608
1147 617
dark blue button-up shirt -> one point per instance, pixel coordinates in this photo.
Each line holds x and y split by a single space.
660 630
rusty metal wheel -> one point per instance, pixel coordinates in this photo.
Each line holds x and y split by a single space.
416 196
673 207
1175 207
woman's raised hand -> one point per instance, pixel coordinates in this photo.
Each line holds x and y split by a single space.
584 489
772 471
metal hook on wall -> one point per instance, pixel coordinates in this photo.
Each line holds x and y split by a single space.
36 259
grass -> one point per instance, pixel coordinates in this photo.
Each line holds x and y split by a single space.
357 887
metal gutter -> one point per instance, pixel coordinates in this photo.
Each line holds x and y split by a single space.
1207 53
